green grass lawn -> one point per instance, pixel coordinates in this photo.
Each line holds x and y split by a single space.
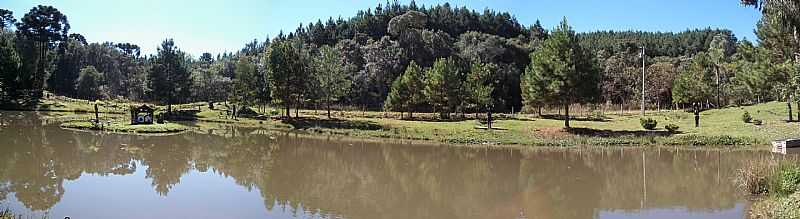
126 128
718 126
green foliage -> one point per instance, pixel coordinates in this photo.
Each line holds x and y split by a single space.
407 93
696 83
478 87
88 83
68 67
210 85
672 128
357 62
288 72
443 86
561 72
786 180
43 27
331 74
245 83
169 76
399 96
6 18
9 66
685 43
384 60
746 118
648 123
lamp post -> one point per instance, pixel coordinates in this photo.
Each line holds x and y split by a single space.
643 71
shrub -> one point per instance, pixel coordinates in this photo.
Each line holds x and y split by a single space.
672 128
746 118
787 180
648 123
757 122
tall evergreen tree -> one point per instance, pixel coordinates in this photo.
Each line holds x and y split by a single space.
443 86
6 19
9 67
46 27
407 93
331 74
68 66
478 87
245 84
287 72
562 72
169 76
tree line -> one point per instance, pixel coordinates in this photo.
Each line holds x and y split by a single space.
409 58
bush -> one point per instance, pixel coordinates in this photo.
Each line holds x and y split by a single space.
648 123
787 180
746 118
757 122
672 128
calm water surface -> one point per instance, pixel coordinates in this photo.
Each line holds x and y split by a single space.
247 173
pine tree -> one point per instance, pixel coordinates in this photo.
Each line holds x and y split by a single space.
561 72
169 77
443 86
331 74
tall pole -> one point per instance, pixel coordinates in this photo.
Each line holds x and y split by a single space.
643 57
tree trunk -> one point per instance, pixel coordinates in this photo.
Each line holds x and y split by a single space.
789 104
288 109
566 117
719 103
328 105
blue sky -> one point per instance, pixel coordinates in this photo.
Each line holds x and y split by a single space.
226 25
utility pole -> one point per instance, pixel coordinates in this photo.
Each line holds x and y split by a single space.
643 57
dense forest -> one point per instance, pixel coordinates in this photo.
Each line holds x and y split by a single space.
409 58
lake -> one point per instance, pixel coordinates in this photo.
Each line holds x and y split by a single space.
250 173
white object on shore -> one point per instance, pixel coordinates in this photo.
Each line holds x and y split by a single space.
787 146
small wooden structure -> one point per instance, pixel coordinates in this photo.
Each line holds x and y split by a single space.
142 115
787 146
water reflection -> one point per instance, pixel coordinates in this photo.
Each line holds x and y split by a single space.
296 177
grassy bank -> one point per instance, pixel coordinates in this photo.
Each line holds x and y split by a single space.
719 127
775 186
125 128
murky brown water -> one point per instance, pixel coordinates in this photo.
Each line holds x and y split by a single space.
240 173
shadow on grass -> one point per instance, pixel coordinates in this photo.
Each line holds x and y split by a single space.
612 133
181 115
310 122
432 119
589 119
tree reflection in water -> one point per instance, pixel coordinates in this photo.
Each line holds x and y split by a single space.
374 180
